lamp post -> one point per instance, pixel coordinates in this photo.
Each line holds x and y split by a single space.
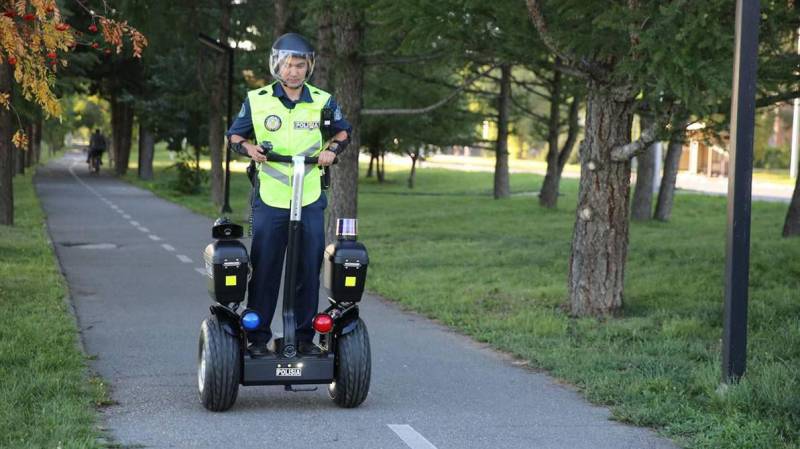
795 127
737 264
218 47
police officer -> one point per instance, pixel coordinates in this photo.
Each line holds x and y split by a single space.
287 114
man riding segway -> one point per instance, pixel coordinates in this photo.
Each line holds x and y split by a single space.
287 113
300 130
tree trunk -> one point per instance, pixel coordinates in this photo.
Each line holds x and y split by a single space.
373 155
642 207
197 180
548 196
414 157
115 119
122 129
20 160
381 166
21 151
502 188
322 68
29 151
666 191
600 236
146 150
36 139
6 152
349 84
282 13
791 227
217 99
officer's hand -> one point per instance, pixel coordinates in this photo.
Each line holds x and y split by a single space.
255 152
326 158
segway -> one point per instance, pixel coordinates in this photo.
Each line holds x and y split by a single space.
344 363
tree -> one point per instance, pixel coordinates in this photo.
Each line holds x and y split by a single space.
502 184
349 85
322 69
481 35
642 204
621 53
216 105
407 130
550 84
666 191
791 227
6 151
34 44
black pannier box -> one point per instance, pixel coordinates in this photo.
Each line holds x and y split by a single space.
227 267
345 270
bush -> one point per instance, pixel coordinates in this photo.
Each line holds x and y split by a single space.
191 178
773 157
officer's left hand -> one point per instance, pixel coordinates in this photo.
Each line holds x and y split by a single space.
326 158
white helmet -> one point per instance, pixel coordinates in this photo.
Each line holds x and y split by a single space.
290 44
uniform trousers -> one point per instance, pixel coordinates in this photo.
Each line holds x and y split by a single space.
270 235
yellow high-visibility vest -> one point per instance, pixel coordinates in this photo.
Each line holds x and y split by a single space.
292 132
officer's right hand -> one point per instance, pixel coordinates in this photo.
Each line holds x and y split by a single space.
255 153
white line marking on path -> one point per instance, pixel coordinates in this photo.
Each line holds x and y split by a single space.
81 181
154 238
168 247
126 216
184 259
411 437
135 223
143 229
202 271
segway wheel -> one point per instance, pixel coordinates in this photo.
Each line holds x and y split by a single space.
353 368
218 366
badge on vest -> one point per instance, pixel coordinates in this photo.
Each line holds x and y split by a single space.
306 125
272 123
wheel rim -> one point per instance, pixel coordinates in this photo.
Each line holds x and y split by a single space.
201 369
332 389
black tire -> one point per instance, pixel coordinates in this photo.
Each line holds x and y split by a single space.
94 164
218 366
353 368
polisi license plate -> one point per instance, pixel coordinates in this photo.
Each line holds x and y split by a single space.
288 372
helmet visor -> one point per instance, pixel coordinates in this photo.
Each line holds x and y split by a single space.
290 67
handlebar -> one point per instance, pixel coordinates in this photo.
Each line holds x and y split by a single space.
266 150
272 157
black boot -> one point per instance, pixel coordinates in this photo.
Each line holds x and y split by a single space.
308 348
258 349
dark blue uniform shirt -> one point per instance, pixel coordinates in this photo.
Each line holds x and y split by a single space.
243 124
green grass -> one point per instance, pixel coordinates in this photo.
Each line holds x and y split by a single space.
47 398
496 270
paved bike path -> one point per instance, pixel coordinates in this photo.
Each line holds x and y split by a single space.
133 262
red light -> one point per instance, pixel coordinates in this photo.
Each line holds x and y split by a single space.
323 323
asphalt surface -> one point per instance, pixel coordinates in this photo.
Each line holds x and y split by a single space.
133 263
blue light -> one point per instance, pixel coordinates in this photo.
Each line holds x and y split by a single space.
250 320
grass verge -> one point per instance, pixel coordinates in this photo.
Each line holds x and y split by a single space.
47 400
496 270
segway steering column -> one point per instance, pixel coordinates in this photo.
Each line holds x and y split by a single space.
289 346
